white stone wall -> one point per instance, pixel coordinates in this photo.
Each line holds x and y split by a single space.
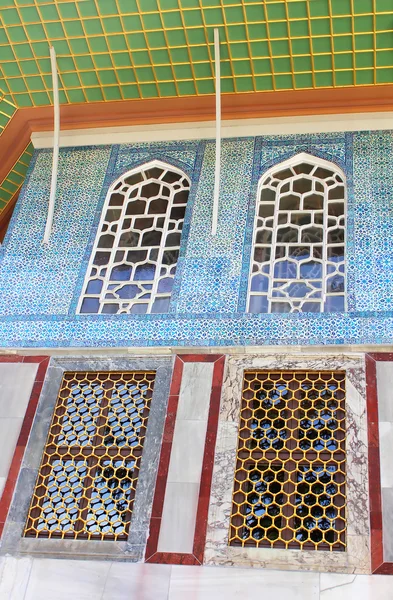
16 384
50 579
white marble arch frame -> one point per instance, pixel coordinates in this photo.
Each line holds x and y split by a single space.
291 162
356 558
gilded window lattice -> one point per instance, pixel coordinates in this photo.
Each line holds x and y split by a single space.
289 489
89 470
298 262
134 260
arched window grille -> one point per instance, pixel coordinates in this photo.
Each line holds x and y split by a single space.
135 254
298 256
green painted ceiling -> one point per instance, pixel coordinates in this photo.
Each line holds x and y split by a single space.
122 49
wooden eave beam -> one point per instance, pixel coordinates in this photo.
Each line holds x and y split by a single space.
6 214
25 121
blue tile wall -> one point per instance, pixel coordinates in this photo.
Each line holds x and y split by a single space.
40 285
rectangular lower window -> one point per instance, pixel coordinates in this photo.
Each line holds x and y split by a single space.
89 469
289 489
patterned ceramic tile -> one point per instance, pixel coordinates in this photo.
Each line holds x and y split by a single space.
40 286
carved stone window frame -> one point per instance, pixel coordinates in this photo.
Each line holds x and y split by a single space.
133 548
356 558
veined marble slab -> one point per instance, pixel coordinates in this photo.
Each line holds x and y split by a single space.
359 587
356 558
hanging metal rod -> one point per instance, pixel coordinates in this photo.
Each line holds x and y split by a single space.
218 131
55 161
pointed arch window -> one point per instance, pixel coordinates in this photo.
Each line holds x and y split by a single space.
135 254
298 256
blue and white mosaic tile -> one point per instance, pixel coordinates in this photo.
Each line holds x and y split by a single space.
40 285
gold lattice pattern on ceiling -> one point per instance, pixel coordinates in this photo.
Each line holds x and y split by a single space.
118 49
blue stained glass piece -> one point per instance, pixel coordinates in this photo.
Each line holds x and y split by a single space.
259 283
165 285
335 284
258 304
161 305
138 309
121 273
90 305
311 270
298 290
285 269
334 304
145 272
128 291
94 286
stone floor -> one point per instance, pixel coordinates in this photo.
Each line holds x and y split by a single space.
49 579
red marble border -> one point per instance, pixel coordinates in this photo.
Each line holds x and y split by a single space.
13 473
196 558
378 566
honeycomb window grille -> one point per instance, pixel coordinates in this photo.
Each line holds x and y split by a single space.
135 254
289 488
298 260
89 470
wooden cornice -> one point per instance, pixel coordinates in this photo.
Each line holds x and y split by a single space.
6 214
25 121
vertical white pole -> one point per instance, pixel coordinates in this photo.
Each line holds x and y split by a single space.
218 131
56 136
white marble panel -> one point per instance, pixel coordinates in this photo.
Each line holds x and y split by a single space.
359 587
16 383
178 518
356 559
14 577
217 583
128 581
385 453
195 391
9 433
185 466
387 524
67 579
385 390
2 484
44 579
187 451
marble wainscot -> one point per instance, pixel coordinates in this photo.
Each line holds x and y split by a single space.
356 558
